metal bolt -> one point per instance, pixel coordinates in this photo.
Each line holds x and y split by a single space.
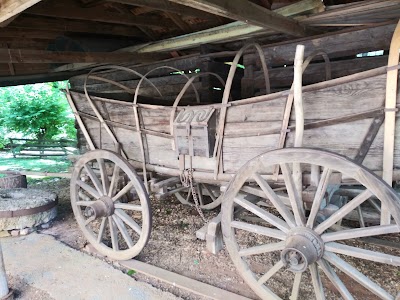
88 212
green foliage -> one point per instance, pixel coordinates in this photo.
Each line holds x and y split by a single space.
38 111
3 137
36 164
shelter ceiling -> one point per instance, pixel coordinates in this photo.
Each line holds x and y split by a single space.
42 37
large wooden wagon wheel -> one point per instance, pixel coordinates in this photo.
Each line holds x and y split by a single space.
293 253
110 204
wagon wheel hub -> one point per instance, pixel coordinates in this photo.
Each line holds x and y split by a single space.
103 207
303 247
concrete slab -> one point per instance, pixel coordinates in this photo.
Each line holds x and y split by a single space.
65 273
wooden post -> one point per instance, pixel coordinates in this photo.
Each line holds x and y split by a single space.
390 117
298 105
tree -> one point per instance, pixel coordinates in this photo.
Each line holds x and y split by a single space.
38 111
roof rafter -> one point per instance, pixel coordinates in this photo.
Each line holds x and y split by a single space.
99 14
42 57
248 12
167 6
11 8
67 25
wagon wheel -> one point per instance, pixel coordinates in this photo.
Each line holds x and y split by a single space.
209 196
313 254
116 225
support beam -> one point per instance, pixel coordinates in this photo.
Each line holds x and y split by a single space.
218 34
248 12
37 56
36 78
18 43
10 8
229 31
5 23
179 22
66 11
65 25
167 6
25 33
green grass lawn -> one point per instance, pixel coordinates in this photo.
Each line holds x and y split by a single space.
36 164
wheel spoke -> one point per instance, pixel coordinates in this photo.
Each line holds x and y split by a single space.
295 200
296 286
271 272
330 273
359 232
209 191
104 177
274 233
374 204
199 195
129 221
342 212
114 179
88 188
122 192
101 230
114 234
317 283
123 231
188 195
357 276
363 254
262 249
94 179
360 216
128 206
83 203
275 200
319 196
266 216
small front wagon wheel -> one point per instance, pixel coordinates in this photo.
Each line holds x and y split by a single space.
110 204
296 252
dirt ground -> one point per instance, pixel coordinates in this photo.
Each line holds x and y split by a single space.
173 246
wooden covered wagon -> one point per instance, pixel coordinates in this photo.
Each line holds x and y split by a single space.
310 189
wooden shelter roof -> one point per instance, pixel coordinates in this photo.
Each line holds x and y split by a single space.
53 40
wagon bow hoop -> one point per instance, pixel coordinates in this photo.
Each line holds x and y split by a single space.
227 90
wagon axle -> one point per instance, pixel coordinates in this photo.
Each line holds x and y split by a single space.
103 207
303 247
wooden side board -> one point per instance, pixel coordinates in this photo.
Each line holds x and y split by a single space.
254 128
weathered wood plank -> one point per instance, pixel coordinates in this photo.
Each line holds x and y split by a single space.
11 8
335 45
29 33
165 5
65 25
69 10
98 86
357 13
248 12
39 56
282 77
344 99
185 283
